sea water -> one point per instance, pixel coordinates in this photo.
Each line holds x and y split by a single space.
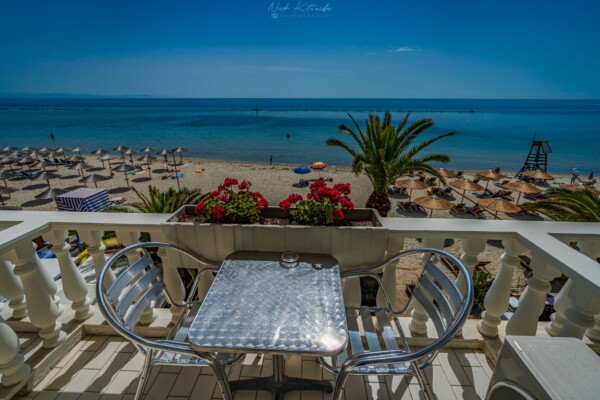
491 133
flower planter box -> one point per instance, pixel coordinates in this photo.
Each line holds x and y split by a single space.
353 246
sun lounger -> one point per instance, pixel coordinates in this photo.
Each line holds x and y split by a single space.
117 200
501 184
459 208
431 181
459 175
476 211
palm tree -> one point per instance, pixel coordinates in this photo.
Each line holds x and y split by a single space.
385 153
569 205
163 202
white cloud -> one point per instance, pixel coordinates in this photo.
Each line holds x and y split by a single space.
402 50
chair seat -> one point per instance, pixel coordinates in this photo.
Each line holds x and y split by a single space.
360 325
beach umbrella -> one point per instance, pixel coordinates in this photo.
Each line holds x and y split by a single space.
130 153
6 190
28 149
490 175
43 164
499 204
26 161
125 168
76 158
121 148
93 178
100 152
46 149
9 149
148 150
521 187
571 187
107 157
433 203
8 160
411 184
79 150
38 153
318 165
15 154
465 185
165 152
45 176
55 154
50 194
538 175
4 175
180 150
81 166
302 170
147 159
446 173
63 150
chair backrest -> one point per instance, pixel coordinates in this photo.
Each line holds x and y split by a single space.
137 287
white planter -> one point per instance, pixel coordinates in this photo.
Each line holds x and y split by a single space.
353 246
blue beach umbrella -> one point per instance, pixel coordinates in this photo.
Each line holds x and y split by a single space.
302 170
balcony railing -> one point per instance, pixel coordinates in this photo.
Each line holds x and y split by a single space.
32 293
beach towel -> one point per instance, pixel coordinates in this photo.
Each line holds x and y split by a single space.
178 176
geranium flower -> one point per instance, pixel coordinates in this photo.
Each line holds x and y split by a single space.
347 203
245 185
213 194
199 208
338 214
343 188
218 212
294 198
285 205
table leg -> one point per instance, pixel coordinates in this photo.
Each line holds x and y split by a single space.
279 384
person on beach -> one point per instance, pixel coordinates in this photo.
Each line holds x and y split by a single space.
52 136
575 176
271 159
288 136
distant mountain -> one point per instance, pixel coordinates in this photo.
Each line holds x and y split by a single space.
69 96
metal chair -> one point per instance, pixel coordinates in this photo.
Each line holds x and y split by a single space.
140 286
387 351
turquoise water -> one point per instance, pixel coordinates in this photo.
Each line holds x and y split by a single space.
491 132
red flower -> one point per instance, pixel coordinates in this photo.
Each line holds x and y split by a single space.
218 212
223 197
199 208
213 194
343 188
338 214
316 185
245 185
232 218
347 203
285 205
262 203
230 182
294 198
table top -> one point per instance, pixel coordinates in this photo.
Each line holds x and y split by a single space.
255 305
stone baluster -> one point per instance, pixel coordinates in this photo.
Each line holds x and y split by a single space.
579 316
74 286
12 289
533 299
395 245
470 258
561 303
128 238
419 317
171 276
96 249
496 299
592 249
41 306
12 365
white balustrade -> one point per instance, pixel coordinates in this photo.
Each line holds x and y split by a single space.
592 249
96 249
496 299
395 244
41 306
171 277
74 286
579 316
533 299
12 289
470 257
12 366
419 317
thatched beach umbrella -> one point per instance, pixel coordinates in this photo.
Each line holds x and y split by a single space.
100 152
8 160
79 150
148 150
6 190
50 194
43 164
15 154
45 176
46 149
122 149
147 159
107 157
63 150
180 150
26 161
521 187
445 173
28 149
433 203
490 175
574 187
465 185
93 178
538 175
81 166
4 175
9 149
130 153
165 152
499 204
125 168
76 158
38 153
411 184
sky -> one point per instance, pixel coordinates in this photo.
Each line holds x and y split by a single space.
335 48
